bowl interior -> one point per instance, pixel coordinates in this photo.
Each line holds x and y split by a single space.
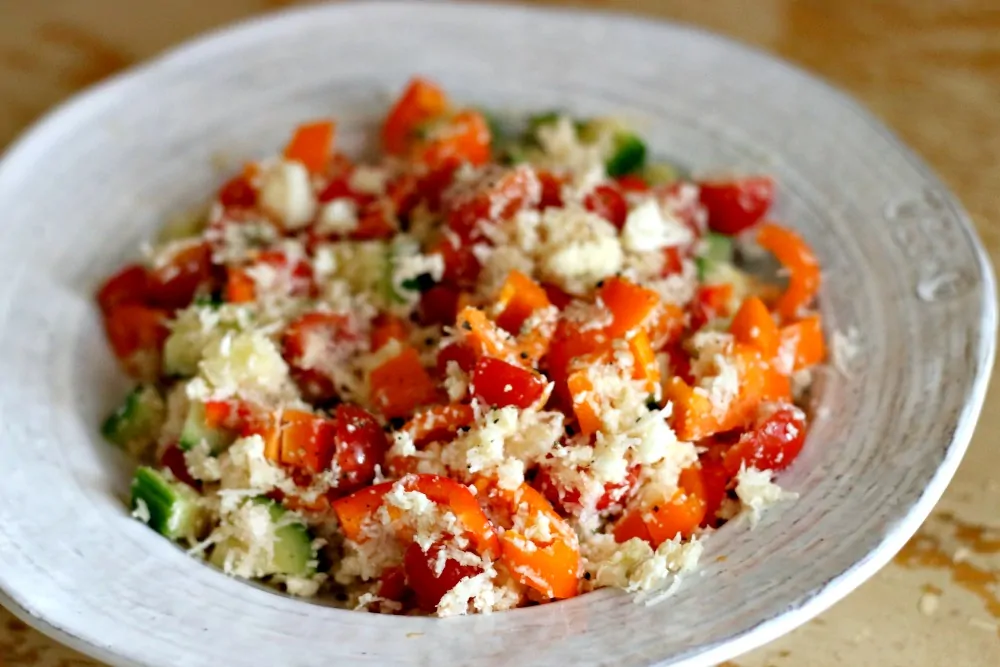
901 267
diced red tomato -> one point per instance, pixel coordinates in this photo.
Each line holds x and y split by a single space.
608 202
672 261
237 192
552 186
715 480
567 500
330 329
130 285
188 272
497 196
173 460
340 188
681 199
376 220
632 183
772 444
557 296
392 583
497 383
429 583
737 204
460 266
326 332
461 354
439 305
360 445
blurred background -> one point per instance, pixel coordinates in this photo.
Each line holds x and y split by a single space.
929 68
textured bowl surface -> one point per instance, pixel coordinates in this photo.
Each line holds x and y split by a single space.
82 189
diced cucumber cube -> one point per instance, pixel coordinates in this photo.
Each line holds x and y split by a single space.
196 430
660 173
628 155
538 120
137 422
717 253
169 508
292 553
183 226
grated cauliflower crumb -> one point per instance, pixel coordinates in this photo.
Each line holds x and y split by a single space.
757 492
338 216
286 193
648 228
141 511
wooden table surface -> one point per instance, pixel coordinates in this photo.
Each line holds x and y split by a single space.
929 68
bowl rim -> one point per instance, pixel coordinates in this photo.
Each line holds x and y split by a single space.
824 596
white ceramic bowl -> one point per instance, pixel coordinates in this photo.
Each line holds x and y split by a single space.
79 191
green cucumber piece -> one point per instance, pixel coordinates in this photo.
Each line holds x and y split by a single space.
173 507
628 156
195 431
293 552
138 421
542 119
717 253
660 173
400 248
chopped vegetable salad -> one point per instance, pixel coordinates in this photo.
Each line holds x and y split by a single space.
506 363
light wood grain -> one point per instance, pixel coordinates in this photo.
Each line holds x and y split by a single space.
930 69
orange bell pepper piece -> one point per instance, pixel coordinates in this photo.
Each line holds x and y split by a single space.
421 101
311 145
240 287
806 338
681 514
553 567
644 359
387 327
355 510
695 417
776 385
307 441
582 391
803 269
630 305
665 325
401 384
439 422
519 297
754 326
464 138
484 337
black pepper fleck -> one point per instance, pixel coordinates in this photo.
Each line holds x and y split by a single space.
586 575
466 325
